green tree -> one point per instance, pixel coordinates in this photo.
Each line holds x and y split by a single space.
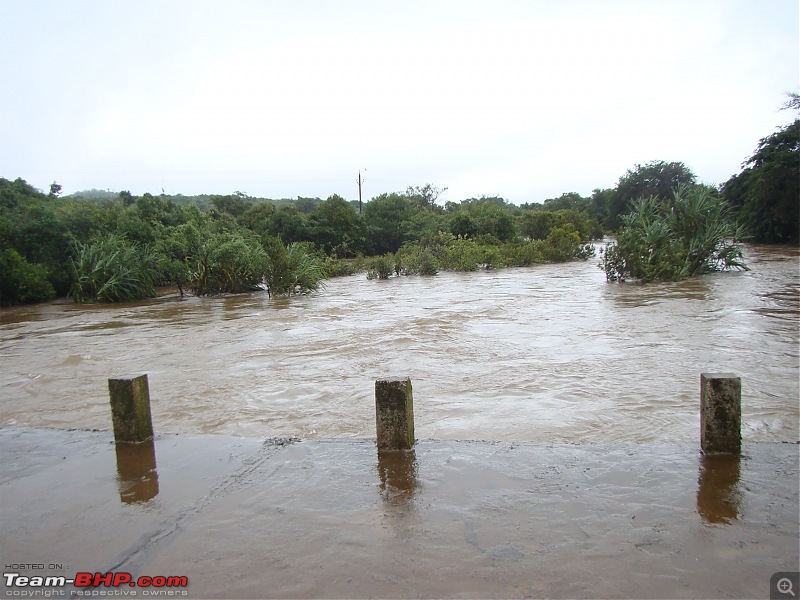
287 223
126 198
569 200
493 220
20 281
278 277
656 178
14 193
536 225
257 217
425 196
335 227
387 218
766 194
306 205
84 219
30 225
462 224
234 204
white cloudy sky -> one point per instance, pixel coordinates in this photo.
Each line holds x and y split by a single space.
525 99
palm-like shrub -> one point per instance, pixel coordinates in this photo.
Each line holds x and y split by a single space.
306 269
111 269
692 234
292 269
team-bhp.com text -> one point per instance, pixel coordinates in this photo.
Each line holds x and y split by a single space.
35 585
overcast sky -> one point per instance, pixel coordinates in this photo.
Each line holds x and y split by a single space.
525 99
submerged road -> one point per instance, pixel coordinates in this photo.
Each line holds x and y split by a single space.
288 518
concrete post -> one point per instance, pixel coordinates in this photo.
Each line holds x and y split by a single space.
720 413
394 414
130 408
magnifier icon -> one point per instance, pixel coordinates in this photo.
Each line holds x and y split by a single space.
785 586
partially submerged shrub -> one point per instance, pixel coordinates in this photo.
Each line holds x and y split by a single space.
690 235
111 269
381 267
417 260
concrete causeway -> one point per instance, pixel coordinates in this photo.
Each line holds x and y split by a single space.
286 518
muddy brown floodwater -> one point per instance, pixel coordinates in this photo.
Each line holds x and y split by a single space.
550 353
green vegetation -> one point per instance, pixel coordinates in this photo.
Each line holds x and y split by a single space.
691 234
103 247
111 269
22 282
766 194
100 246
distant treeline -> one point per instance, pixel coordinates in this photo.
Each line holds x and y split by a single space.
98 245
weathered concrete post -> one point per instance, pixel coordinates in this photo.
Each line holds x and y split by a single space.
130 408
720 413
394 414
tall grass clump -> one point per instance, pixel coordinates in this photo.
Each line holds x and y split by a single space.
306 268
112 269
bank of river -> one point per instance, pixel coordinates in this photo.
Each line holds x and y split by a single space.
550 353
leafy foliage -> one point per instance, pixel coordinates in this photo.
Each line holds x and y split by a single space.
767 193
692 234
381 267
236 243
22 282
655 178
295 269
306 268
111 269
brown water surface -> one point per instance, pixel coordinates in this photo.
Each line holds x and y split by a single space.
546 353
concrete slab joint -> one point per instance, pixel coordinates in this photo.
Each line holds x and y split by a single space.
394 413
720 413
130 408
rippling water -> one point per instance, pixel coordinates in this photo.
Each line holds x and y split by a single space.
546 353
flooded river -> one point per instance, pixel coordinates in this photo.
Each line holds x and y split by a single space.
550 353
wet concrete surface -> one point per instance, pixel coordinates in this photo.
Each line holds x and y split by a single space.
285 518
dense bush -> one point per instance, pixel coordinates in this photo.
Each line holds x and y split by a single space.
766 193
111 269
382 267
692 234
22 282
416 259
306 268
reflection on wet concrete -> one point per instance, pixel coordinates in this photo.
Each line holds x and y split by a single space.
136 471
718 494
486 520
398 472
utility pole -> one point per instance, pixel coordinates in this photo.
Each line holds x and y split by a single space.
360 181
